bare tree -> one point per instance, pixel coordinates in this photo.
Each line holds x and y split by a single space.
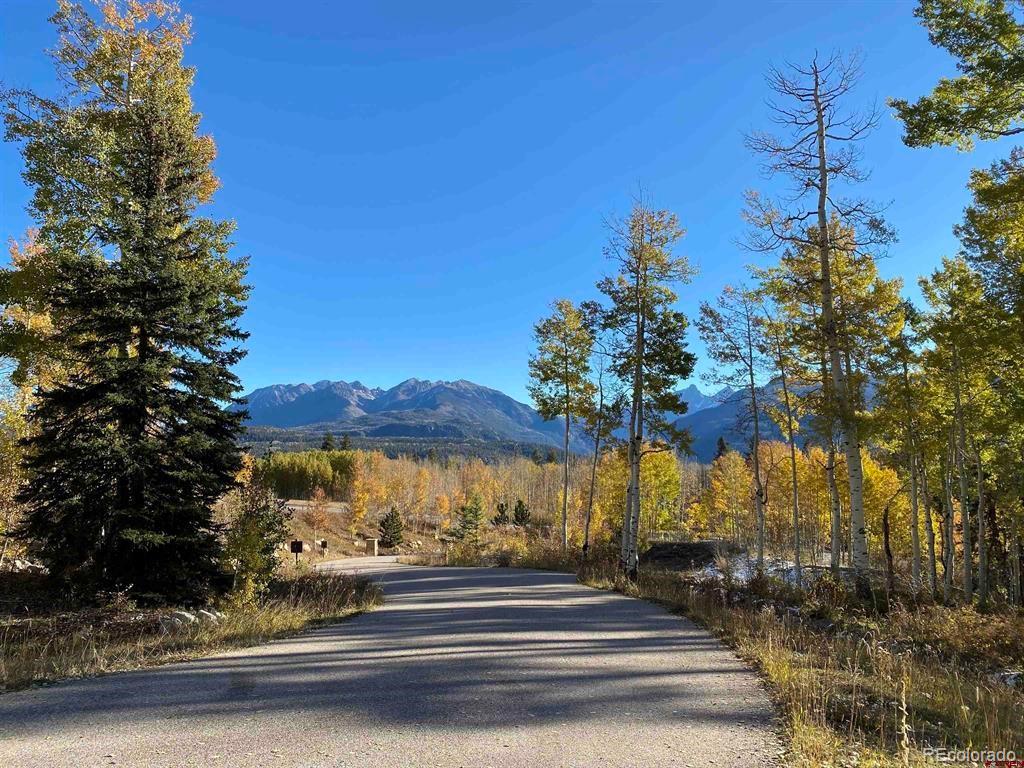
818 150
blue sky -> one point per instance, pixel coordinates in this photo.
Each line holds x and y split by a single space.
415 182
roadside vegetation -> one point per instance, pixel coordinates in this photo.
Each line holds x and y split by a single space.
869 682
53 642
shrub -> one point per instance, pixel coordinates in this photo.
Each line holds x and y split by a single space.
258 526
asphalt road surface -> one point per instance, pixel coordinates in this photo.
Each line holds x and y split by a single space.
461 667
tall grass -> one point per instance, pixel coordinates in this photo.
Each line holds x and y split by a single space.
118 636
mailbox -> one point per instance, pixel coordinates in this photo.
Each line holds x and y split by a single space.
296 547
323 545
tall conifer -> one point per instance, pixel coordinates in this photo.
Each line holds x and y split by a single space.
131 450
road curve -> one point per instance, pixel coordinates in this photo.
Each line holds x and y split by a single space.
461 667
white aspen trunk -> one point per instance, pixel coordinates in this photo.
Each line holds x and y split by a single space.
915 533
836 505
947 576
565 483
627 515
791 437
930 531
959 453
756 460
593 479
847 422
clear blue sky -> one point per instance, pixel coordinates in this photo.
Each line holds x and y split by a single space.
415 182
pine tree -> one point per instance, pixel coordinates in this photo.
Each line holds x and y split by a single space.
327 444
502 518
721 447
521 514
131 450
391 528
346 443
470 517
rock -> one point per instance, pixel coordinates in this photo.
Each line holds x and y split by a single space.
184 617
1014 678
170 623
208 616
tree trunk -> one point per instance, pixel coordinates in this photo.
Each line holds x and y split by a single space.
947 575
593 479
930 532
836 505
791 437
890 578
915 532
982 536
756 460
911 443
847 422
565 483
960 452
1015 571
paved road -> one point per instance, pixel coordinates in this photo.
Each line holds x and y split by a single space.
462 667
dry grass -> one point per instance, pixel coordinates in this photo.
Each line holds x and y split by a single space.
119 637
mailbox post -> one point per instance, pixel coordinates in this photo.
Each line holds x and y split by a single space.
297 549
323 547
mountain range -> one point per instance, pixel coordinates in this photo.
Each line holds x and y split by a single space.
448 410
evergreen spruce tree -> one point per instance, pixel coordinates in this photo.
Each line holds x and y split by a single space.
132 449
346 443
327 444
721 447
502 518
391 528
470 516
521 514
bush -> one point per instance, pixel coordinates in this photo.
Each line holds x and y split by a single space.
258 526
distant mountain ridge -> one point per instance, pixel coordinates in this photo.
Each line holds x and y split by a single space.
415 408
423 409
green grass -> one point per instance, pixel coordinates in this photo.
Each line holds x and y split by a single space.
118 637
